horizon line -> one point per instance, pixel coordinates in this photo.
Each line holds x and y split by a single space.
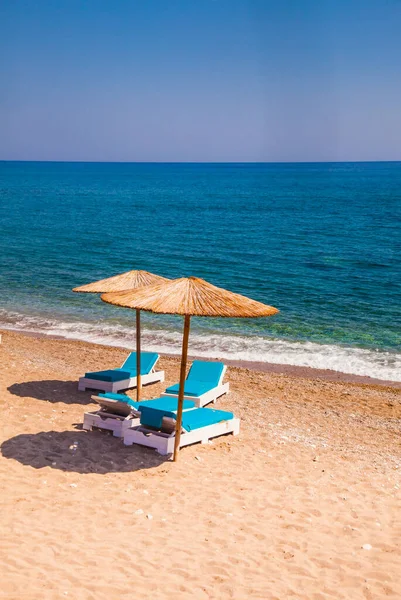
203 162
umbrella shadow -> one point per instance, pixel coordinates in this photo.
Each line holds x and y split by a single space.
51 390
79 452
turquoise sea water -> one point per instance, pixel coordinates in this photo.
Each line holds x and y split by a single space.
319 241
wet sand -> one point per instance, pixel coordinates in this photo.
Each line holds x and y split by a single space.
303 504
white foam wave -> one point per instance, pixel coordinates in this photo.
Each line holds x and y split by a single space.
355 361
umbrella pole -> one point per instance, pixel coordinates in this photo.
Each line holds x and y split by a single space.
182 383
138 355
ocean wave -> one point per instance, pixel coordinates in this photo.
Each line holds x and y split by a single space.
356 361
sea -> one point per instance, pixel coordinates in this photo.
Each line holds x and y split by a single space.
319 241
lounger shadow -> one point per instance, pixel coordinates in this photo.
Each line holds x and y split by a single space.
78 452
50 390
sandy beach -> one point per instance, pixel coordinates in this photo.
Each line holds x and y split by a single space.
303 504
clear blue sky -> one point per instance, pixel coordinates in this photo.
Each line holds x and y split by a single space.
200 80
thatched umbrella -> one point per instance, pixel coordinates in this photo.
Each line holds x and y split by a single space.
188 297
130 280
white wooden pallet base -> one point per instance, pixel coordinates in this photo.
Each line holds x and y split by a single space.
115 423
164 443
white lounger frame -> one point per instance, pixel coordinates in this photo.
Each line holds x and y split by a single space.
164 442
116 386
207 397
106 420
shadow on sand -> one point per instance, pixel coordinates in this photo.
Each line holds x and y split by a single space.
79 452
51 390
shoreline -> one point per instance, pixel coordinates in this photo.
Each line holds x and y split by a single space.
261 367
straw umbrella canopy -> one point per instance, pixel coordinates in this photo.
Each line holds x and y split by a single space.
188 297
129 280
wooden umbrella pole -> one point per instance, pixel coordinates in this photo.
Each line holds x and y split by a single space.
182 384
138 355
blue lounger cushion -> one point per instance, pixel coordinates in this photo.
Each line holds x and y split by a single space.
164 403
203 417
202 377
205 371
109 375
191 388
191 419
118 397
128 370
148 361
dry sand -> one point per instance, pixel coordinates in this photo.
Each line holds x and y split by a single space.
281 512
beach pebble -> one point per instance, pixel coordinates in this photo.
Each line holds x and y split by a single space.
367 547
198 458
149 516
73 485
139 511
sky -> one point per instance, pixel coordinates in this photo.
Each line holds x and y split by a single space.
200 80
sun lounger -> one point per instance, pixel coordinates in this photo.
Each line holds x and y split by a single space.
157 427
204 383
118 412
114 380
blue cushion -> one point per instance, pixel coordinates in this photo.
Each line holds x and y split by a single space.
153 417
205 371
191 388
109 375
202 377
128 370
118 397
161 403
148 361
191 419
201 417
